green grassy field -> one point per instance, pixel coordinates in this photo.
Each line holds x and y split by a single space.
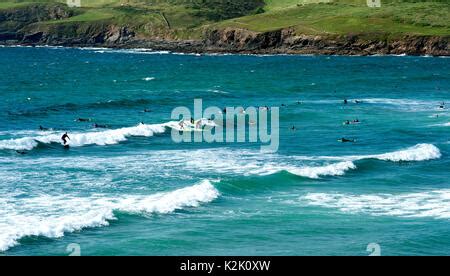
394 17
426 18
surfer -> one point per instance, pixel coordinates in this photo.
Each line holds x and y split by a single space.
345 101
192 120
42 128
64 138
83 120
21 152
181 124
347 122
345 140
293 128
358 102
100 126
442 105
147 110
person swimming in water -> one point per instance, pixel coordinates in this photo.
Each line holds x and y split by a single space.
347 122
83 120
21 152
345 140
358 101
345 101
198 125
42 128
64 138
293 128
147 110
181 124
356 121
100 126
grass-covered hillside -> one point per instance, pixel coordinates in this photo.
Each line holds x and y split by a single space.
189 18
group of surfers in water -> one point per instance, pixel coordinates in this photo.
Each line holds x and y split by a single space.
65 137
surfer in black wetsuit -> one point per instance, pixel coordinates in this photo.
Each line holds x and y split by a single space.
42 128
64 138
345 101
192 120
21 152
100 126
83 120
345 140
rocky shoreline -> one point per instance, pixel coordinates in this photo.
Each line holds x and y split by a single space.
26 31
230 40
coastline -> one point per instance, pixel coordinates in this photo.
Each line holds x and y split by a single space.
241 41
209 53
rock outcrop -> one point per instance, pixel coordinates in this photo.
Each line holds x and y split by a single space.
287 41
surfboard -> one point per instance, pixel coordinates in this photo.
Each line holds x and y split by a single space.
187 126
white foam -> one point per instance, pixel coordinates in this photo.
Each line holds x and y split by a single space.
26 143
52 216
101 138
148 78
248 164
419 152
127 51
435 204
398 101
327 170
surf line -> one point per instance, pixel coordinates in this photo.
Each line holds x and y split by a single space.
228 125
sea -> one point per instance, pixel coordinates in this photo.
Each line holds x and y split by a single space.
125 187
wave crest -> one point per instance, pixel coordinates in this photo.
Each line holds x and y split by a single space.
327 170
425 204
101 138
420 152
52 216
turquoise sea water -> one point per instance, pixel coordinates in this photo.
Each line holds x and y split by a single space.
130 190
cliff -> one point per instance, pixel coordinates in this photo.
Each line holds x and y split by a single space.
53 24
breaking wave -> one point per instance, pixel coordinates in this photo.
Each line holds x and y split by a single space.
101 138
52 216
419 152
435 204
